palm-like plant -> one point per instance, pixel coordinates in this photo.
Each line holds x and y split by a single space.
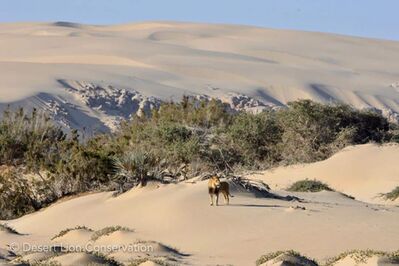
133 168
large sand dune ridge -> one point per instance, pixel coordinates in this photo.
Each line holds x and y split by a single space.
167 60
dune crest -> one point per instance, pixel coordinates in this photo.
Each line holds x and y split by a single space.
167 60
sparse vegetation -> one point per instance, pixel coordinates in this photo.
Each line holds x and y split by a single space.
178 141
272 255
109 230
361 256
393 195
158 261
105 259
43 263
66 231
9 229
309 186
303 261
51 262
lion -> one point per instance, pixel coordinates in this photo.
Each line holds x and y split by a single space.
215 186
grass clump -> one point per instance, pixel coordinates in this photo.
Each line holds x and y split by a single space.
393 195
158 261
309 186
270 256
9 229
279 255
44 263
361 256
102 260
105 259
66 231
109 230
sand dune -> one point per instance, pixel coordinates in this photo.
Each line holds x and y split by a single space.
178 221
167 60
362 171
94 76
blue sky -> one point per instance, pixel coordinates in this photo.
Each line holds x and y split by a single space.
368 18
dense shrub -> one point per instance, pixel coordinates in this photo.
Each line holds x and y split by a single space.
133 168
26 138
17 196
255 137
313 131
177 141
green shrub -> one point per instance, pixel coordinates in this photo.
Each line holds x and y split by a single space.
313 131
15 196
27 138
134 167
255 137
308 186
179 139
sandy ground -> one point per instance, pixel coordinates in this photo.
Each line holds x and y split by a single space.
323 225
361 171
169 59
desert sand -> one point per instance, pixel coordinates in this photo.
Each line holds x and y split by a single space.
177 221
94 76
42 63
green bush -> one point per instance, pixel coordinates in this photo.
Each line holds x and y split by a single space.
308 186
16 197
255 136
313 131
180 139
27 138
134 167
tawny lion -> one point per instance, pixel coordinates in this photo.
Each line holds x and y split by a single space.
215 186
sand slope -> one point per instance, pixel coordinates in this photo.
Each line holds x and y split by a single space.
168 60
362 171
179 216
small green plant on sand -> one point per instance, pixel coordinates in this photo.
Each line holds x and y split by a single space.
109 230
309 186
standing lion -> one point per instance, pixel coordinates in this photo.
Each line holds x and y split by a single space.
215 186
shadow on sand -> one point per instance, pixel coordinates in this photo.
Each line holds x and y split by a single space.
255 205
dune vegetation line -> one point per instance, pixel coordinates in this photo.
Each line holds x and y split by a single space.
40 163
